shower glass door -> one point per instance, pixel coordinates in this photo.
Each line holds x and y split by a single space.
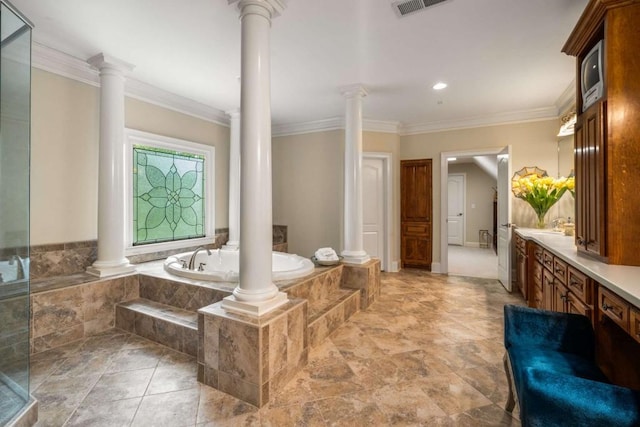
15 95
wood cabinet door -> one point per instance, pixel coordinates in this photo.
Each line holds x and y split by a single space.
416 213
548 290
521 273
590 181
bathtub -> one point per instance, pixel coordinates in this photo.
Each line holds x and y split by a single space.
223 265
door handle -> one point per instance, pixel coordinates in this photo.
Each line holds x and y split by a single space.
459 214
508 225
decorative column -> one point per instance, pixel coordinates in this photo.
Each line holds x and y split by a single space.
353 251
111 259
255 294
234 181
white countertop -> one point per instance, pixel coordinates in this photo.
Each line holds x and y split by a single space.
624 280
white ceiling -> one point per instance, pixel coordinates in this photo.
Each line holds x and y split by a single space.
499 57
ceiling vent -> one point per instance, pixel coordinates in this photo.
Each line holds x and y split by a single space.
406 7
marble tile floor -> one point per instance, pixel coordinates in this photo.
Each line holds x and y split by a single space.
428 353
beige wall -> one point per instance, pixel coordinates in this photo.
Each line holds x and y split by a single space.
479 196
308 187
64 157
533 144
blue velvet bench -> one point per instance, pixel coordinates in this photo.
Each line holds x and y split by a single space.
550 361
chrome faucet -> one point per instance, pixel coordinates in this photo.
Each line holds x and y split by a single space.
19 268
192 260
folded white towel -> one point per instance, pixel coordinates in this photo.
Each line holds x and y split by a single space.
326 254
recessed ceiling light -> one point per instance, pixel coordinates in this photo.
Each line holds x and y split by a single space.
439 86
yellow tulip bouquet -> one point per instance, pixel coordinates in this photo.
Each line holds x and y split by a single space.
540 191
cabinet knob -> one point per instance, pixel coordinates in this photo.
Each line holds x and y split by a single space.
606 307
580 241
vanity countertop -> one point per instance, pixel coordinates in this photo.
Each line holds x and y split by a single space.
624 280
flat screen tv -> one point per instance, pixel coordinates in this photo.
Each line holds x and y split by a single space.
591 83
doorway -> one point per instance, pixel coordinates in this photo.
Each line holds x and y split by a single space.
376 205
471 256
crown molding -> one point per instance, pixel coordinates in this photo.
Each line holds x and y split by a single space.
334 123
513 117
56 62
383 126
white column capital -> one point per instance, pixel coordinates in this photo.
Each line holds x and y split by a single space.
273 7
105 62
351 91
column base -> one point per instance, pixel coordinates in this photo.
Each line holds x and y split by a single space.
106 269
355 257
254 308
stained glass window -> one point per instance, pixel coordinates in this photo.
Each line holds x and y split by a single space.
168 195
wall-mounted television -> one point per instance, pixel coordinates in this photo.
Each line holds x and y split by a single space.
592 81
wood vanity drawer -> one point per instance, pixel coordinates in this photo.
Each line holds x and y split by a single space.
560 270
635 324
547 260
580 285
614 307
538 254
574 305
521 244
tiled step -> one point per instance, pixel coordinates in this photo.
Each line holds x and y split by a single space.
171 326
187 296
317 287
327 315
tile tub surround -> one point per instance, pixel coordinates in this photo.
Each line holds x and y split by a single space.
411 358
252 358
365 277
61 316
63 259
279 234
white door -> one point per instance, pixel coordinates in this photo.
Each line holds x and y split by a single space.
455 216
504 218
373 207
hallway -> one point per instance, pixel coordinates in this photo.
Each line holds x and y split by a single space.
473 262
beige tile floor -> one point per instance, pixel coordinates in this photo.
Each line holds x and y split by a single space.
429 352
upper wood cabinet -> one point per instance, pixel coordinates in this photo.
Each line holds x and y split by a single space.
607 137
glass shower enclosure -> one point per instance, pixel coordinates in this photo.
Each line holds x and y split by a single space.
15 118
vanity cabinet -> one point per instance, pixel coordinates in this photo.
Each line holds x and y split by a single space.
559 279
607 135
555 285
521 266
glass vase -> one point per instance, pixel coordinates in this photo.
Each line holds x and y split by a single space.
540 222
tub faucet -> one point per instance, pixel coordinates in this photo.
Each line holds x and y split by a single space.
19 268
192 260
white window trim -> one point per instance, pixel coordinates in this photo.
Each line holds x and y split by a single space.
136 137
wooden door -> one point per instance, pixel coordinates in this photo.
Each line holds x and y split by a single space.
416 213
455 214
